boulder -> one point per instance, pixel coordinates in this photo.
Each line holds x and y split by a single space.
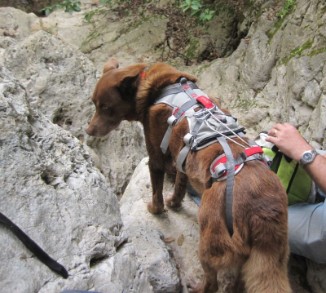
60 80
55 194
179 229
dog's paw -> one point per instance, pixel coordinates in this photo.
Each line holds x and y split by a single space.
172 203
155 210
194 287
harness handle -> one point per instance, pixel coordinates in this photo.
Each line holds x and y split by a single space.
203 100
219 169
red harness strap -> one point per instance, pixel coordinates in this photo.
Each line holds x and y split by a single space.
218 167
205 101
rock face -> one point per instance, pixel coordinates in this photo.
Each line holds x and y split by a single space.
52 191
60 80
63 187
277 74
27 5
55 194
58 74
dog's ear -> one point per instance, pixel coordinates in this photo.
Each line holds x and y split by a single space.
110 64
128 86
129 80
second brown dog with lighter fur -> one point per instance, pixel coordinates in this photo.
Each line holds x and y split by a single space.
257 251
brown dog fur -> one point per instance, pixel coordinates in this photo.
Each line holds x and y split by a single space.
257 252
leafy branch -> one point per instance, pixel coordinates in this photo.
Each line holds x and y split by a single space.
197 8
67 5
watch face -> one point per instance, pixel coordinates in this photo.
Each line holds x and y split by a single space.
307 157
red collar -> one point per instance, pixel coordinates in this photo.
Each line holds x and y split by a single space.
143 75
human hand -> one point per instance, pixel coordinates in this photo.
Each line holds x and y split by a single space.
288 140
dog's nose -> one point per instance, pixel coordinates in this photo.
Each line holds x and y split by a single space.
89 130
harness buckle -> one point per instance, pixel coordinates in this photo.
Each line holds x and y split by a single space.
243 156
183 80
172 120
188 139
220 172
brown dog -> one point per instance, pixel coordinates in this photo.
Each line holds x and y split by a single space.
257 250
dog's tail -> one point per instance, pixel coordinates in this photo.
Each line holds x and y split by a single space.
266 272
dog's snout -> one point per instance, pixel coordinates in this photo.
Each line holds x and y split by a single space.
88 131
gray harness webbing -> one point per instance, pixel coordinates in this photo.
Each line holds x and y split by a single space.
188 140
206 126
180 97
175 89
173 119
230 165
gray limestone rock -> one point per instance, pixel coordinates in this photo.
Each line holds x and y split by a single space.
178 229
53 192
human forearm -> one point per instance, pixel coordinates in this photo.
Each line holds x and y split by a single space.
317 171
290 142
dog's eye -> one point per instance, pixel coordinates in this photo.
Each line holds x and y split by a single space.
107 109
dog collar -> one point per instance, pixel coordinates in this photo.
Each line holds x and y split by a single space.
143 75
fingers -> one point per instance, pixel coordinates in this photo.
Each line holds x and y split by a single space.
271 139
284 136
279 130
272 132
275 133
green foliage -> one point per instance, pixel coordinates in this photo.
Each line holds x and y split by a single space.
297 52
111 4
190 53
286 9
317 51
106 2
88 16
196 8
206 15
67 5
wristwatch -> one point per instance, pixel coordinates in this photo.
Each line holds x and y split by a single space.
307 157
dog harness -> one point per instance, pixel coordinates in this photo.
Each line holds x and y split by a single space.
207 125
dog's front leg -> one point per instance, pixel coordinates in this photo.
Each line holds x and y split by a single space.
180 186
157 179
209 285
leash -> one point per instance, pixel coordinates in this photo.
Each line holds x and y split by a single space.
33 247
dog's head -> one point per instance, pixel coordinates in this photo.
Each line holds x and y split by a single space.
114 97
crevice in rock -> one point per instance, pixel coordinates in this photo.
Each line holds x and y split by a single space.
97 258
47 177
